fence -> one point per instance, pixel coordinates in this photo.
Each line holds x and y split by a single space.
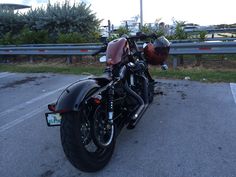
176 49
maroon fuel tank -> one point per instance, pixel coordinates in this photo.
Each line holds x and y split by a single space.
116 49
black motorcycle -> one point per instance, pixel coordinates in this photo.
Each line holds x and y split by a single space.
92 112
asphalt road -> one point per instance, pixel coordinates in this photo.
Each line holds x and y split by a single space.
188 131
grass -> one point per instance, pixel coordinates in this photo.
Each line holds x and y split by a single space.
51 68
205 75
197 74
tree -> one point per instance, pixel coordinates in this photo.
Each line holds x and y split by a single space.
63 19
179 30
58 19
122 30
202 35
10 22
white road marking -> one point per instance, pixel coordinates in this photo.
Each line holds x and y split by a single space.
6 74
24 105
233 90
20 119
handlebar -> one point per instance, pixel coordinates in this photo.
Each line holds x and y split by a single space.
138 36
102 49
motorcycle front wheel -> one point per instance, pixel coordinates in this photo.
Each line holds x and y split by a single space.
77 138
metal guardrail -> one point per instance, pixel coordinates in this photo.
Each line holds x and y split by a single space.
49 50
207 39
52 45
176 49
203 48
221 30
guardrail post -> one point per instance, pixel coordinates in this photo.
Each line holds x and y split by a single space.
69 59
181 60
175 61
31 58
198 59
5 59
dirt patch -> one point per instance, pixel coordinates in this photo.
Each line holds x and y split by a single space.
217 62
47 173
182 94
20 82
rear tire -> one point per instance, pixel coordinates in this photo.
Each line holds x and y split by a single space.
76 139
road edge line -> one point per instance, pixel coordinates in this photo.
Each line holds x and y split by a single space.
233 90
23 105
20 120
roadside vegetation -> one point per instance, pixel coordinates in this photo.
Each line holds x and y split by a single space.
195 74
58 23
66 23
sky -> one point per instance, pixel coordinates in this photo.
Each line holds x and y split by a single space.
202 12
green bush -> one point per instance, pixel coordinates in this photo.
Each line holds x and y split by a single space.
180 33
7 39
25 36
62 19
122 30
202 35
71 38
28 36
58 22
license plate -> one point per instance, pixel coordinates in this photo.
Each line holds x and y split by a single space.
53 119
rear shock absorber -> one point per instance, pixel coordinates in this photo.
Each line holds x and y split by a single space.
110 106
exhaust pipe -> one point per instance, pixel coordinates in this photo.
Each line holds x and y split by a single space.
143 103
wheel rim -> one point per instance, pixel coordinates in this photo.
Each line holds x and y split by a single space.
89 140
103 131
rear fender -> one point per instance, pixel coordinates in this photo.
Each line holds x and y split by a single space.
72 96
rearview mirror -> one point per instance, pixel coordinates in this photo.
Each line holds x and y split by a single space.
103 59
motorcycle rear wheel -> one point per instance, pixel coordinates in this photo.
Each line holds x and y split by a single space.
78 144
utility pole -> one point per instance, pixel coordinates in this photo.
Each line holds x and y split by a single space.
109 28
141 13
